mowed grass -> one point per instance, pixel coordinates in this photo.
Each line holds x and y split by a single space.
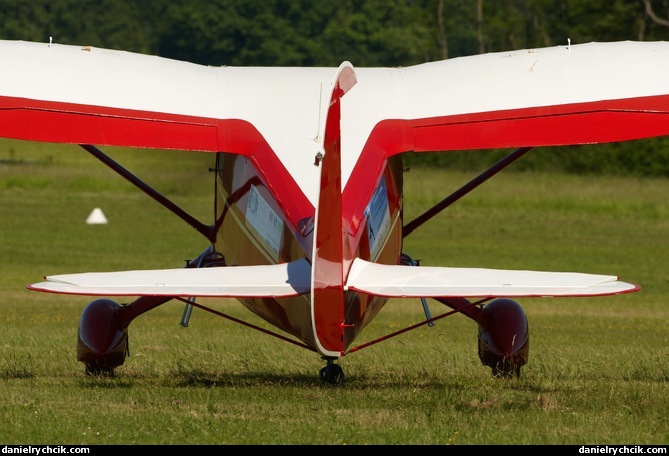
598 370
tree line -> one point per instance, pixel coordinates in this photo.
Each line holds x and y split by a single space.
364 32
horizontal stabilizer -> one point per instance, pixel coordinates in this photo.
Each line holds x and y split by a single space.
279 280
407 281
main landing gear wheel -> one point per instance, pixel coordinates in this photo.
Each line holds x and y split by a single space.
102 341
504 338
332 374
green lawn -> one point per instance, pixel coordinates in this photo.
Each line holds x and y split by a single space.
598 370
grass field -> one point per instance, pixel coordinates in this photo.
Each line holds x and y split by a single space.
598 370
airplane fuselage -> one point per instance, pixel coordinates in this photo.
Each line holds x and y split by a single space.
253 229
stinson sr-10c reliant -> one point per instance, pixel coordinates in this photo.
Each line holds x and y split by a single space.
308 228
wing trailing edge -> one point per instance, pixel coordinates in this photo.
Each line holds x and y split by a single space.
407 281
278 280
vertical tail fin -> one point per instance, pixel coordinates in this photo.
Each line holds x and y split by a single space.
327 274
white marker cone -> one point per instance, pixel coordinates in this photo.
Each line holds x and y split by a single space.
96 217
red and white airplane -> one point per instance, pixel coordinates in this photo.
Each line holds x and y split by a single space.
308 229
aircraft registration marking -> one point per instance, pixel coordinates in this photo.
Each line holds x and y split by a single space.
264 221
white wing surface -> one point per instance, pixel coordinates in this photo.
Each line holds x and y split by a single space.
279 280
423 281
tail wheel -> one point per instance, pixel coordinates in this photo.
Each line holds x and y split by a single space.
332 374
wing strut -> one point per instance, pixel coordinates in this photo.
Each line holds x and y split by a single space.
206 230
465 189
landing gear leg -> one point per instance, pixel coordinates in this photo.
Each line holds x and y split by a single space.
332 373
